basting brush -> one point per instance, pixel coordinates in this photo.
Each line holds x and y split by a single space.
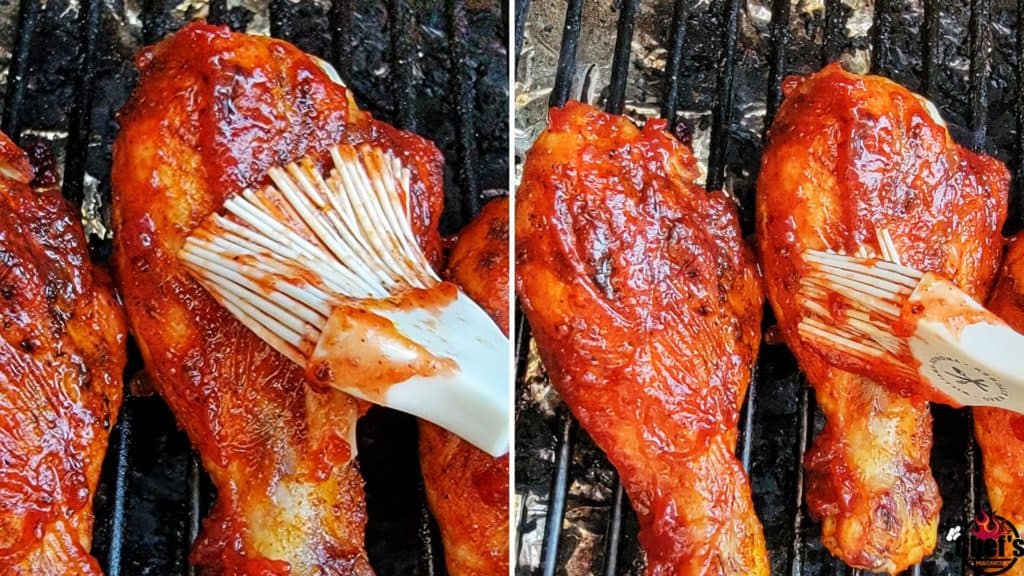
875 316
326 269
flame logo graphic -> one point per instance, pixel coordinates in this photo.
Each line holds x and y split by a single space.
986 527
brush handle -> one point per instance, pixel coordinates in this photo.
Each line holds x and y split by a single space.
963 349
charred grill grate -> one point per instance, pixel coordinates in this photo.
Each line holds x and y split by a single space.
571 516
71 69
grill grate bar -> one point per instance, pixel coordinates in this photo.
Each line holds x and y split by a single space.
567 54
1017 201
615 104
931 49
831 45
81 106
341 32
881 32
522 10
777 59
981 50
620 64
807 407
218 12
28 18
195 508
721 116
674 62
403 53
614 539
559 491
462 85
564 75
122 443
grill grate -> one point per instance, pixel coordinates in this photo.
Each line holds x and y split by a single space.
66 79
779 417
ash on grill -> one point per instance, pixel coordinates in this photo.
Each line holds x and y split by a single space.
930 50
67 67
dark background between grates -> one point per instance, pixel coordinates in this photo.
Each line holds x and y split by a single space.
963 55
437 68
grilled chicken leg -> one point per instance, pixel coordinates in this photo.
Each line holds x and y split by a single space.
62 356
467 489
646 306
213 112
1000 433
848 155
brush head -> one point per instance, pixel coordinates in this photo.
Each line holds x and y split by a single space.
327 270
854 310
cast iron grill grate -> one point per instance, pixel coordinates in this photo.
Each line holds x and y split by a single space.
71 69
572 517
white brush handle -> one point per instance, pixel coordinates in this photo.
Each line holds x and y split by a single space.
965 350
446 362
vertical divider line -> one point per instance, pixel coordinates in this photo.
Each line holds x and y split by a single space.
621 59
462 83
722 113
28 17
566 69
674 62
90 12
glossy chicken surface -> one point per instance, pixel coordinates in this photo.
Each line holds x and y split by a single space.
646 307
62 355
1000 433
847 155
467 489
212 113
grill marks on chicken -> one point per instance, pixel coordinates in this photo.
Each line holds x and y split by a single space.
646 306
1000 433
212 113
467 489
848 154
62 354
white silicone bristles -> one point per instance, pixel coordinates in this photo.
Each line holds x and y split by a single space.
284 256
872 292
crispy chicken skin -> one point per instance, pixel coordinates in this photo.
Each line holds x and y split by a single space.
1000 433
646 307
62 356
212 113
847 154
467 489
